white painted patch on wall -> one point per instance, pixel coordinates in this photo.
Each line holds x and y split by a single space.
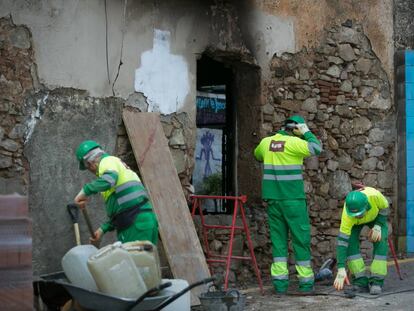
34 117
162 77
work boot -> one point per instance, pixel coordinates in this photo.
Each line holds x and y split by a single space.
359 289
375 289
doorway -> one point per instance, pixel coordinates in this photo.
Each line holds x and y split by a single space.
214 172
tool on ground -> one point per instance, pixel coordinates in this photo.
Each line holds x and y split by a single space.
74 216
231 299
325 271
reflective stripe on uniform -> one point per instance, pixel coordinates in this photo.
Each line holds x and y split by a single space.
306 279
343 236
109 179
282 167
131 196
127 185
280 277
342 243
380 257
377 276
353 257
384 211
282 177
360 274
279 259
303 263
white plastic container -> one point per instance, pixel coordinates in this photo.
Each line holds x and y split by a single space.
115 272
145 256
182 303
74 264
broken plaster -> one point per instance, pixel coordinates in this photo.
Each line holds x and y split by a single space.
35 116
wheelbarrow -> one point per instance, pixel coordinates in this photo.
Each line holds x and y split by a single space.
153 300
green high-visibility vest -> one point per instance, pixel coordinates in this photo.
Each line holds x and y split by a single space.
126 185
282 156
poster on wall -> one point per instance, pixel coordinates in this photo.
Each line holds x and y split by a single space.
207 175
211 108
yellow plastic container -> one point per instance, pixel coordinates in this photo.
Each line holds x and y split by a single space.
115 272
145 256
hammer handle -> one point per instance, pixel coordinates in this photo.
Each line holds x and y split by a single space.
88 221
77 234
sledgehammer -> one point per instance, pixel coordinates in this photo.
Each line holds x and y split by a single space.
87 219
74 216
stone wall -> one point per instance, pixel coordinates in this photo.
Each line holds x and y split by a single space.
16 82
343 92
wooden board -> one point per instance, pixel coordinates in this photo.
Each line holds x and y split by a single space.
176 226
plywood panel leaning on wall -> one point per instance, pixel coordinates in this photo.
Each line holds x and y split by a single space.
178 234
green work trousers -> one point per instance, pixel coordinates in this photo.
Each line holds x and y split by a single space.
290 216
145 228
356 263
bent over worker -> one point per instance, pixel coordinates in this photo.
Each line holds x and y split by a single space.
127 203
282 187
366 207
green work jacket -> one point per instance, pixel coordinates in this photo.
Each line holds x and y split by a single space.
282 156
376 214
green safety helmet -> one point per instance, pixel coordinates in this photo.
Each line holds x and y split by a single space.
356 203
83 149
296 119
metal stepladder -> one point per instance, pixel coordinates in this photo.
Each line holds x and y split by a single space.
226 259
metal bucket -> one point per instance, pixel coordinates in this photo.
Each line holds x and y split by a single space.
231 300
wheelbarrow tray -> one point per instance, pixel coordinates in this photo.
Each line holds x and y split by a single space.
101 302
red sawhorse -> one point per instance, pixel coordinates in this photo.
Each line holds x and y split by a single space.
215 258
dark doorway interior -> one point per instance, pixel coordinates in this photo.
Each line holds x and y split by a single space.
214 172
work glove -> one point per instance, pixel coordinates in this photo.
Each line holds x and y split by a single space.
301 129
81 199
340 279
375 234
97 236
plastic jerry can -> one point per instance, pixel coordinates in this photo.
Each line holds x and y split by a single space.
145 256
115 272
74 264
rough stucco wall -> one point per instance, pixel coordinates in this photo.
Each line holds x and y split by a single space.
68 117
403 24
310 18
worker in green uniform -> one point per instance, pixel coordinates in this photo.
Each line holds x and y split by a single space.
366 207
127 203
282 187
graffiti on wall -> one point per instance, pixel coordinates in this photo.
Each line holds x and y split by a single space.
211 108
208 156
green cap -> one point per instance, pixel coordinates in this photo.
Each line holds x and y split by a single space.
356 203
83 149
296 118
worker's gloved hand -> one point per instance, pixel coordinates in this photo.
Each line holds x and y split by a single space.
81 199
375 234
301 129
340 279
98 235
